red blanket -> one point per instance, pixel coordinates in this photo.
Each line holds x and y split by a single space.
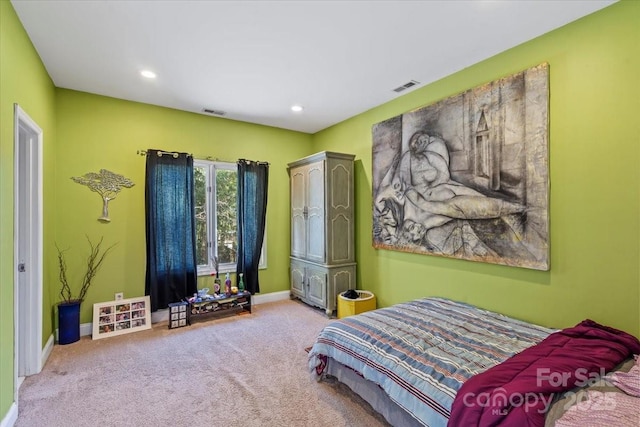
519 391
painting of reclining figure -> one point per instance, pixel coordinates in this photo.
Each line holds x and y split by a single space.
467 177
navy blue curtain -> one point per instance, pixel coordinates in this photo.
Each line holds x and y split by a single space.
253 180
170 226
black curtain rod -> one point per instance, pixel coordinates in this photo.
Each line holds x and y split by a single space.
257 161
174 154
214 159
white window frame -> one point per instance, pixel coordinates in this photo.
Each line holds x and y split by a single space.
208 269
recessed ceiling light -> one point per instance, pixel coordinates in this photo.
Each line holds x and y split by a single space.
148 74
296 108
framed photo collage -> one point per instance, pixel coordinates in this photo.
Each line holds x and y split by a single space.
121 317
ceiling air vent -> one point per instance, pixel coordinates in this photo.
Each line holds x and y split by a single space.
406 86
214 112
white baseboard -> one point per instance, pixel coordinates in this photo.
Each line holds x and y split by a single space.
163 315
11 417
160 316
85 329
270 297
46 351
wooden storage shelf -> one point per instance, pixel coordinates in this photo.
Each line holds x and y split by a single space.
220 306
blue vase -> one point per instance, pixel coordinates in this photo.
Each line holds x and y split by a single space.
68 322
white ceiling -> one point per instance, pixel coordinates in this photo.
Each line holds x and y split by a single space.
254 59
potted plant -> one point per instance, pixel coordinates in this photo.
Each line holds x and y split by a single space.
69 307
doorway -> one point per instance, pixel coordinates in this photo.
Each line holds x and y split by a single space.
27 247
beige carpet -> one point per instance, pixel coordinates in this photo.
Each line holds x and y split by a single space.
248 370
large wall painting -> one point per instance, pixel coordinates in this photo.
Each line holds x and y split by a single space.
468 176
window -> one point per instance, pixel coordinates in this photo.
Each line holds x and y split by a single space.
215 186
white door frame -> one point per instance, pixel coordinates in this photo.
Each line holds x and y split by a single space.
28 231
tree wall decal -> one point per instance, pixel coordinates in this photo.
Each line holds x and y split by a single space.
107 184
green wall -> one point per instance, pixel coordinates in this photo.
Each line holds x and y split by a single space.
97 132
23 80
594 145
595 182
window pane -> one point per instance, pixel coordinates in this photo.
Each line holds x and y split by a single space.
226 190
200 188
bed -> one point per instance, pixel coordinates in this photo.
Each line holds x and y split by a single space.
410 360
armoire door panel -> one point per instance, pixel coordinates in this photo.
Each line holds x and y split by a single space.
316 238
298 236
298 212
317 286
340 280
297 279
316 213
341 246
340 193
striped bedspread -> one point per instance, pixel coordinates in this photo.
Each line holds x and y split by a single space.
422 351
